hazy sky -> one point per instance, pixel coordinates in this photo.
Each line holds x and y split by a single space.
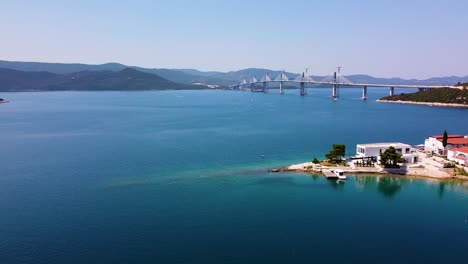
411 39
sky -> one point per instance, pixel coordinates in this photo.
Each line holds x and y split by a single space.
399 38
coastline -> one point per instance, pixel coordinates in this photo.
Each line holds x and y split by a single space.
377 171
424 103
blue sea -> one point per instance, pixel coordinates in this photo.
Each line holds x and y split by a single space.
179 177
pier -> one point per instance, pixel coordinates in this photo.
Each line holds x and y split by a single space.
329 174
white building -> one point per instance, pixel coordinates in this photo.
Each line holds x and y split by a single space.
373 151
434 143
459 155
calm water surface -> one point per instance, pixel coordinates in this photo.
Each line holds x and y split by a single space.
177 177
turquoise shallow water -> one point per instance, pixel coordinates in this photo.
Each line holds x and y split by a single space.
177 177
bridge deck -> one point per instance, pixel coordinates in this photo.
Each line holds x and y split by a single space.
370 84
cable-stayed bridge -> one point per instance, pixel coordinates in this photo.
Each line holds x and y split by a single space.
335 81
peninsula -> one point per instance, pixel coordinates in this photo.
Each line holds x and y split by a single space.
395 158
436 97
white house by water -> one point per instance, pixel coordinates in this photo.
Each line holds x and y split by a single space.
373 151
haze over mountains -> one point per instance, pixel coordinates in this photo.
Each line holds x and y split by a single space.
40 76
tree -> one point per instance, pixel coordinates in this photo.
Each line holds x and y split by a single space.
337 153
341 149
315 160
445 139
390 158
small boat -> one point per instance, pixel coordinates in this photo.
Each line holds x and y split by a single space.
340 174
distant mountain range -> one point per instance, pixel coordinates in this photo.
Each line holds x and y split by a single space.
115 76
127 79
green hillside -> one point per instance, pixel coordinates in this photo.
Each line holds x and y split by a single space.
127 79
443 95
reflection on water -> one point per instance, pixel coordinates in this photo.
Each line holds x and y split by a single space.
337 184
389 186
315 177
441 189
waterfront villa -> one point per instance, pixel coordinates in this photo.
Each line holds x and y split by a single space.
459 155
372 151
434 143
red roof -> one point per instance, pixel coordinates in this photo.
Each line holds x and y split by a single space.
457 141
462 149
448 136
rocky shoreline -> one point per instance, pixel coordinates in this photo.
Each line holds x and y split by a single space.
407 171
424 103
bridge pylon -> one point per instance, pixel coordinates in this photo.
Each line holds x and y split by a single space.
242 84
281 78
335 86
253 81
303 79
265 81
335 91
364 93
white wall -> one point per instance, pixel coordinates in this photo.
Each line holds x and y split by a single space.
432 144
451 155
375 151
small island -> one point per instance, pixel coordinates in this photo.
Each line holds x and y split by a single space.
3 101
448 97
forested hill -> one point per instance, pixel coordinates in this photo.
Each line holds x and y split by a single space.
443 95
126 79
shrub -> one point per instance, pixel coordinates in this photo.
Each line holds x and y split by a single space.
461 171
449 165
